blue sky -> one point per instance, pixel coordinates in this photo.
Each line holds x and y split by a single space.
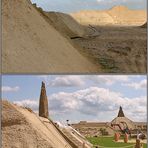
77 5
80 97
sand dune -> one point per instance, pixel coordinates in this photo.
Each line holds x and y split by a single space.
22 128
118 15
32 45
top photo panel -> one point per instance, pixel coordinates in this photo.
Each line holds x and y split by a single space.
74 36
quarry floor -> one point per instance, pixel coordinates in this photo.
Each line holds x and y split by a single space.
115 48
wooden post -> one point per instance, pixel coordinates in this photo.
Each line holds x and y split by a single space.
138 145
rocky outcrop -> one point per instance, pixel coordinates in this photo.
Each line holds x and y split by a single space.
43 104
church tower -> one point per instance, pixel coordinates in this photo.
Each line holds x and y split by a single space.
43 102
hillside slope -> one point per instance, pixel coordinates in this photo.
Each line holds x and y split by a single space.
31 44
23 128
65 24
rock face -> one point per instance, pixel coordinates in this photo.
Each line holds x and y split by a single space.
120 113
43 104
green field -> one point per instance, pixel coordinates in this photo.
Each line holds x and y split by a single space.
108 142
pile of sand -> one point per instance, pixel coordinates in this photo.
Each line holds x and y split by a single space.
24 129
118 15
31 44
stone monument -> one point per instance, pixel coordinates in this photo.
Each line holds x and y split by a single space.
43 103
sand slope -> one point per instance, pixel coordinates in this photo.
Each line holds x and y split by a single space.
118 15
24 129
31 44
65 24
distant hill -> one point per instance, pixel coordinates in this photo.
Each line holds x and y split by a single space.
117 15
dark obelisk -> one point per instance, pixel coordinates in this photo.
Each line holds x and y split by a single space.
43 104
120 113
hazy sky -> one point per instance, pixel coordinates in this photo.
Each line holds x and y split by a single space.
91 98
76 5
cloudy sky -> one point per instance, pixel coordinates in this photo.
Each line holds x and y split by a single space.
79 97
76 5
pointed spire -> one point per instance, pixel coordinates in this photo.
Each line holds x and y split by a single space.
120 113
43 103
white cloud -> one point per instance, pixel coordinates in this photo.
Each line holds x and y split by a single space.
109 80
94 101
67 81
10 89
78 80
63 80
138 85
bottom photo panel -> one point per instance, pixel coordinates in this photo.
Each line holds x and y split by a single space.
74 111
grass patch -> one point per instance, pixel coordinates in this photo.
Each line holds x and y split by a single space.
108 142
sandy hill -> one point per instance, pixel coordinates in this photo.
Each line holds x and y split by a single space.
119 15
31 44
22 128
